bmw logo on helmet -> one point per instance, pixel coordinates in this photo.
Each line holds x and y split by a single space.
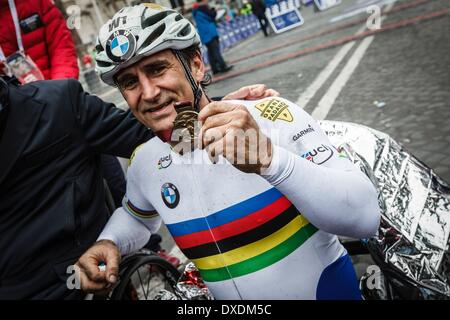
170 195
120 45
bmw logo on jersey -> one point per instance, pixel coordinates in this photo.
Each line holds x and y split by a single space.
120 46
170 195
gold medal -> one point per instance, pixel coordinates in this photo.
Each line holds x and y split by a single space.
184 123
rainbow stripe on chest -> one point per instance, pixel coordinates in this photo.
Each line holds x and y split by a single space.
243 238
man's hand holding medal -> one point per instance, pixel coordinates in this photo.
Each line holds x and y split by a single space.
224 128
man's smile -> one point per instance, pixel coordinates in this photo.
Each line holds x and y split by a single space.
158 107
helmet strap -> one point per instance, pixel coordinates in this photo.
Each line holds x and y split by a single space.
196 89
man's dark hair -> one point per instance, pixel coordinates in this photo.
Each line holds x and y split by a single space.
190 53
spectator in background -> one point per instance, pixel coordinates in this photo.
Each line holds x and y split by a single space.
52 200
87 60
223 11
204 17
259 10
246 8
40 32
231 13
233 9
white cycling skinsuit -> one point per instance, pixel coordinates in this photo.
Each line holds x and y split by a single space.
268 236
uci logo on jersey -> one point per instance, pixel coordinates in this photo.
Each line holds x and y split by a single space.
120 45
164 162
319 155
170 195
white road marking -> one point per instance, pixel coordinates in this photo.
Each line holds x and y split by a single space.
327 101
360 10
309 93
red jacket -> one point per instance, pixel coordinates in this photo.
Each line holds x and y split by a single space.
50 46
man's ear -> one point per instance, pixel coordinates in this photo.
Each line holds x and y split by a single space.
198 67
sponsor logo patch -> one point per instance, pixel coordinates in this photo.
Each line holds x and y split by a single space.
302 133
275 109
319 155
31 23
164 162
170 195
116 22
120 45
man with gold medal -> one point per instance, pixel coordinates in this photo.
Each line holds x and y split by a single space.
252 192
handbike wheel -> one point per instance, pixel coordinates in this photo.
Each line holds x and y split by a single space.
142 276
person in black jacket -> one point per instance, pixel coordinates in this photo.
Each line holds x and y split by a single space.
52 199
259 9
52 203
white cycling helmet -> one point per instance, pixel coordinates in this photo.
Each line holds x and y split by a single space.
137 32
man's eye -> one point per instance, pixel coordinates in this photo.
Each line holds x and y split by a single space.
128 84
157 70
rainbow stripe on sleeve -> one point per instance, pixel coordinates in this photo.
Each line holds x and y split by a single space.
243 238
135 211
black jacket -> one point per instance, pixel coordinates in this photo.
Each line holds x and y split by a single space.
52 204
258 8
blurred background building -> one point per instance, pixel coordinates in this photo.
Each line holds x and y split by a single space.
85 17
